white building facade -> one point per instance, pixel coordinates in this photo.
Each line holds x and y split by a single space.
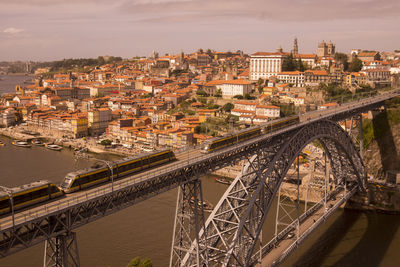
264 64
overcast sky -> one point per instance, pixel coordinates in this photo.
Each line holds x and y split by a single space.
56 29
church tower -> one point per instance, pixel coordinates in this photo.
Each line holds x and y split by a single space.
322 49
295 50
331 48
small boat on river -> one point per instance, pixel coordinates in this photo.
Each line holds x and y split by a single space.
2 143
53 147
222 181
208 207
20 143
37 142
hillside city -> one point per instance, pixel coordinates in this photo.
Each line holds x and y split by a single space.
179 101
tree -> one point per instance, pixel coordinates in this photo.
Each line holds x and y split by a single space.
248 97
342 58
218 93
228 107
106 142
300 65
238 96
288 63
137 262
201 93
355 65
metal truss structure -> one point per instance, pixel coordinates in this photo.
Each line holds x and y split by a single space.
189 218
234 226
61 251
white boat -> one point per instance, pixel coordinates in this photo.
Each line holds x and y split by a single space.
37 142
20 143
54 147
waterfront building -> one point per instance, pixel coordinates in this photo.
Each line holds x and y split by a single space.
98 120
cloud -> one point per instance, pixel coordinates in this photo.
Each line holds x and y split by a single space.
283 10
13 31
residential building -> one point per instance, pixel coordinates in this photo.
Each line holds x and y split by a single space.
295 78
229 88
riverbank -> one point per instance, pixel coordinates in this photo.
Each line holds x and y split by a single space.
379 197
89 144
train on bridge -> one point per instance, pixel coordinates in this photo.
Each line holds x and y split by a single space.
41 191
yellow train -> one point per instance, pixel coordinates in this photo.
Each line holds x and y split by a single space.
31 194
81 179
27 195
245 134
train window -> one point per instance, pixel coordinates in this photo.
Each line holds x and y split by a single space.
76 182
39 193
54 189
21 198
4 203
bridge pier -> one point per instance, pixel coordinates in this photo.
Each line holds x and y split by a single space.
61 251
189 219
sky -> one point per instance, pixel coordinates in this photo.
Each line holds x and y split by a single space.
43 30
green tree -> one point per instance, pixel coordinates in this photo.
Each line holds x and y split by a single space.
134 262
248 97
137 262
228 107
106 142
238 96
355 65
288 63
300 65
342 58
218 93
201 93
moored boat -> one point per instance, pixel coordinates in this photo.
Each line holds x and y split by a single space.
20 143
53 147
2 143
208 207
37 142
222 181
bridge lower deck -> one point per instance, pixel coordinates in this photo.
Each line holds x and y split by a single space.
283 247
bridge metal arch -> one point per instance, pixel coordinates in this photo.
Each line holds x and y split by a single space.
261 181
336 138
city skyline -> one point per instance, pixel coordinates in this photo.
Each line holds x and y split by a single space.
43 30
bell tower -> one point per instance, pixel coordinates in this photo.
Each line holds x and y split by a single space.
295 50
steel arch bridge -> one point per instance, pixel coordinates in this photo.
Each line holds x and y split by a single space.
230 234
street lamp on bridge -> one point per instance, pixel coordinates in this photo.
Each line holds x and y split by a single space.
110 166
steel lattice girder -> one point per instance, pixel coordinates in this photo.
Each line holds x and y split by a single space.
53 224
189 219
62 251
235 224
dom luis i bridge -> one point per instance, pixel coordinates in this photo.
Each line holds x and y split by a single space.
232 235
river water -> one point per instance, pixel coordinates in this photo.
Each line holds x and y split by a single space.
8 82
348 238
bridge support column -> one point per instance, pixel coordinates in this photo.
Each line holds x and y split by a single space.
61 251
189 219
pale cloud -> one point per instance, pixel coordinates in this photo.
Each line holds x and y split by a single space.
283 10
13 31
56 29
